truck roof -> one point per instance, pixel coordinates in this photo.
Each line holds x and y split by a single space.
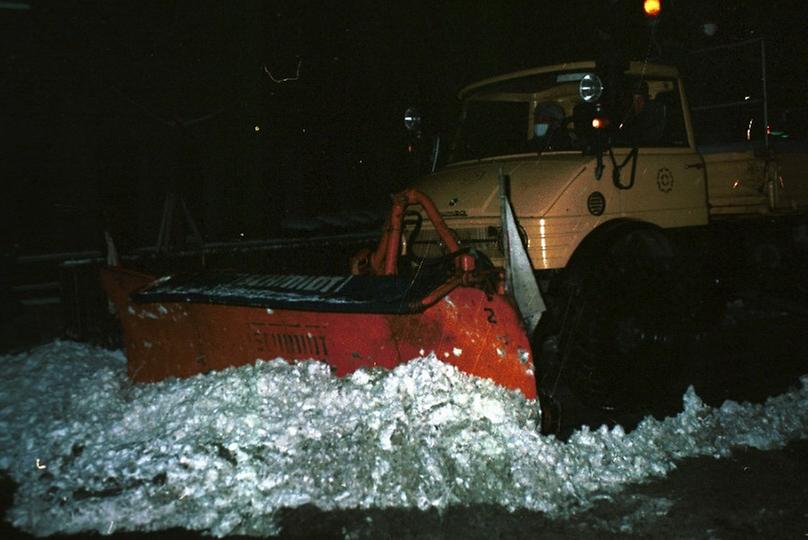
656 70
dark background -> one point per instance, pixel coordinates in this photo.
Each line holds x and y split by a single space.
106 106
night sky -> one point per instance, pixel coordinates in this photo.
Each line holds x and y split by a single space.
106 106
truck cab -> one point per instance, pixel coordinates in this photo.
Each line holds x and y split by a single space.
576 164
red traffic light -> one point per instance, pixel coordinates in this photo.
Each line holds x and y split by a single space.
652 7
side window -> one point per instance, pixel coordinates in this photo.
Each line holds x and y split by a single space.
651 115
674 133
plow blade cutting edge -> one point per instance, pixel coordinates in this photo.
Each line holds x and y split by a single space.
183 325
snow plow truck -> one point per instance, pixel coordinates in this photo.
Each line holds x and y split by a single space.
558 185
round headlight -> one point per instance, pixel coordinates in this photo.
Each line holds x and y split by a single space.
590 88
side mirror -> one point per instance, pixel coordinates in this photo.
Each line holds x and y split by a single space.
417 126
412 119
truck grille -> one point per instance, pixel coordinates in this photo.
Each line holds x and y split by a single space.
485 239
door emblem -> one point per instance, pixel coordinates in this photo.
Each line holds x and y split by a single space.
664 180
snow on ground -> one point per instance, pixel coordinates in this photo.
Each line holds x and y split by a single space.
222 452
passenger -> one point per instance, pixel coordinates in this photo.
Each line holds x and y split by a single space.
548 129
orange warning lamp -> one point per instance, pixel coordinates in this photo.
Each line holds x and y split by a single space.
652 7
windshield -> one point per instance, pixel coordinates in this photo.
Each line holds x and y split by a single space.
525 115
543 113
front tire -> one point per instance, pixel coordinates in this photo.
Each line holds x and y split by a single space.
622 313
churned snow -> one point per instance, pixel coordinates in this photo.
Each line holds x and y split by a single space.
223 452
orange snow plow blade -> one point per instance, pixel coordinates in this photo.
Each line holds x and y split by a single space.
183 325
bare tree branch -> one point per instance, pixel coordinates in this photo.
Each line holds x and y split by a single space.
287 79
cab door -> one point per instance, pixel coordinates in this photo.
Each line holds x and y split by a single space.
660 175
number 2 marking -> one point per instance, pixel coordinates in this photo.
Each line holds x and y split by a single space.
492 318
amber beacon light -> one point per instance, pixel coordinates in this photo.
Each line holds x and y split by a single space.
652 7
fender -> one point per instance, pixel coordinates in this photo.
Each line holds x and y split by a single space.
597 243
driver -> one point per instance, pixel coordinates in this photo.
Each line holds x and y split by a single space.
644 122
